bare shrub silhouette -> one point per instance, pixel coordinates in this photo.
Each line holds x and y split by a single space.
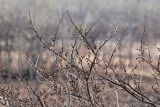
82 76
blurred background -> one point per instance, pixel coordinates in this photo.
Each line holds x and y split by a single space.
17 39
